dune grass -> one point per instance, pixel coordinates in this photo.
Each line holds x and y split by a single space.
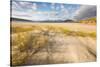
52 29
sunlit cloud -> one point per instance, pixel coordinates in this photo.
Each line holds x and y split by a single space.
62 6
34 7
41 11
53 6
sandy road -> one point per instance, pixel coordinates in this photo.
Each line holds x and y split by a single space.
65 50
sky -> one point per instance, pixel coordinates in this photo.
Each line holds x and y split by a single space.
43 11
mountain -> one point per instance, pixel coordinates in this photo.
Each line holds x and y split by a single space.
19 19
69 20
89 21
25 20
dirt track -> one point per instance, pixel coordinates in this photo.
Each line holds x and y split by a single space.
66 50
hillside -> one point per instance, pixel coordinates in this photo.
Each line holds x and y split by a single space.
19 19
91 21
45 21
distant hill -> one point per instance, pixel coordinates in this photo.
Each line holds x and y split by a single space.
19 19
89 21
69 20
56 21
93 19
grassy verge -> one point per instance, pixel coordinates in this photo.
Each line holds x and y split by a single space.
52 29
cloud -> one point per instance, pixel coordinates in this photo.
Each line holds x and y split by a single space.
85 11
31 11
15 5
34 7
53 6
62 6
28 10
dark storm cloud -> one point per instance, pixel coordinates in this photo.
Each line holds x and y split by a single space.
86 11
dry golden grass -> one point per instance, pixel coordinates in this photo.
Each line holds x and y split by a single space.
18 28
89 21
28 38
